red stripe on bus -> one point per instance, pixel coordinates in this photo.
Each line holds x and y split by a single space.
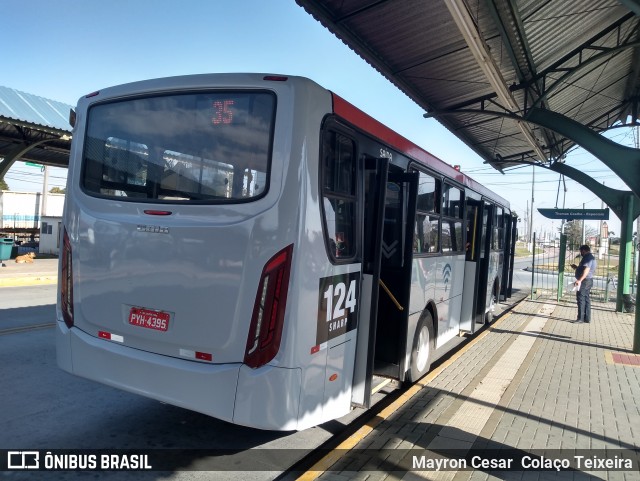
367 123
361 120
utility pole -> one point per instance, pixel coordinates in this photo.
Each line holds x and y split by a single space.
533 183
526 225
43 211
584 240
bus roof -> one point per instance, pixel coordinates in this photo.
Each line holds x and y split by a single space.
370 125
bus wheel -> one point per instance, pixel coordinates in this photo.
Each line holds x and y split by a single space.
421 352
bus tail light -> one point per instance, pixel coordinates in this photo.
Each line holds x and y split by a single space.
267 320
66 282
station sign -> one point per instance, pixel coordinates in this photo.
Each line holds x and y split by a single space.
575 214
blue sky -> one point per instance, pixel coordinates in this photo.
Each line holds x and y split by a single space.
63 49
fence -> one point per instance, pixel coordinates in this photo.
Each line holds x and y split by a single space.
552 274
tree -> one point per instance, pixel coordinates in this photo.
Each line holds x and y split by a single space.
573 231
57 190
3 184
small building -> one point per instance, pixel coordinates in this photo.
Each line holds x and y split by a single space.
50 234
21 216
22 210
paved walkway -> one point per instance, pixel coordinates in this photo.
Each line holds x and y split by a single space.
534 384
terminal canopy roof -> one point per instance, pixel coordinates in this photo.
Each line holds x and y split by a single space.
479 66
33 129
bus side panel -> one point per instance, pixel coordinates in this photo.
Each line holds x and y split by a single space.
450 282
330 355
423 283
321 345
467 323
495 267
338 378
423 291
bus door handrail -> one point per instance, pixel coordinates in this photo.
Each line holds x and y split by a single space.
391 296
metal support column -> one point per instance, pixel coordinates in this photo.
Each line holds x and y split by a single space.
562 256
624 259
533 263
16 153
624 161
636 329
614 198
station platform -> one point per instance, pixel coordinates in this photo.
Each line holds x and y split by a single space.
556 397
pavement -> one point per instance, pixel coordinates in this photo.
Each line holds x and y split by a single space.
39 272
534 396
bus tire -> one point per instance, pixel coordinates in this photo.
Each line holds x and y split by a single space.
422 348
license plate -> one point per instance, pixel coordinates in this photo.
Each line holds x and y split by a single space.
149 318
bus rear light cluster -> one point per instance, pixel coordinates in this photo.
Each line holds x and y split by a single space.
265 331
66 282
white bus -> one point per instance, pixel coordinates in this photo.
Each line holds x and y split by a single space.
255 248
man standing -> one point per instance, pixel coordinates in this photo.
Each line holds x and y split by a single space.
584 282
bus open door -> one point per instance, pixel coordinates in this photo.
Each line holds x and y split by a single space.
389 214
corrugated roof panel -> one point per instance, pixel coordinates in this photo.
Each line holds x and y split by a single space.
419 47
390 25
554 29
445 81
33 109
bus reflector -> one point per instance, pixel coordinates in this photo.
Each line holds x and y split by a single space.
202 356
276 78
319 347
66 282
265 331
333 377
110 337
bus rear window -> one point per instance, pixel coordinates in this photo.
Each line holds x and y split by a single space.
196 147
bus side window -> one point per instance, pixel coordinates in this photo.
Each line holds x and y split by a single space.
500 230
427 228
452 236
427 234
452 203
339 195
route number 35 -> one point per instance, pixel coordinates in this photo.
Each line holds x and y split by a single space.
340 297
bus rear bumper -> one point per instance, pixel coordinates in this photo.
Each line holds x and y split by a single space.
268 398
206 388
